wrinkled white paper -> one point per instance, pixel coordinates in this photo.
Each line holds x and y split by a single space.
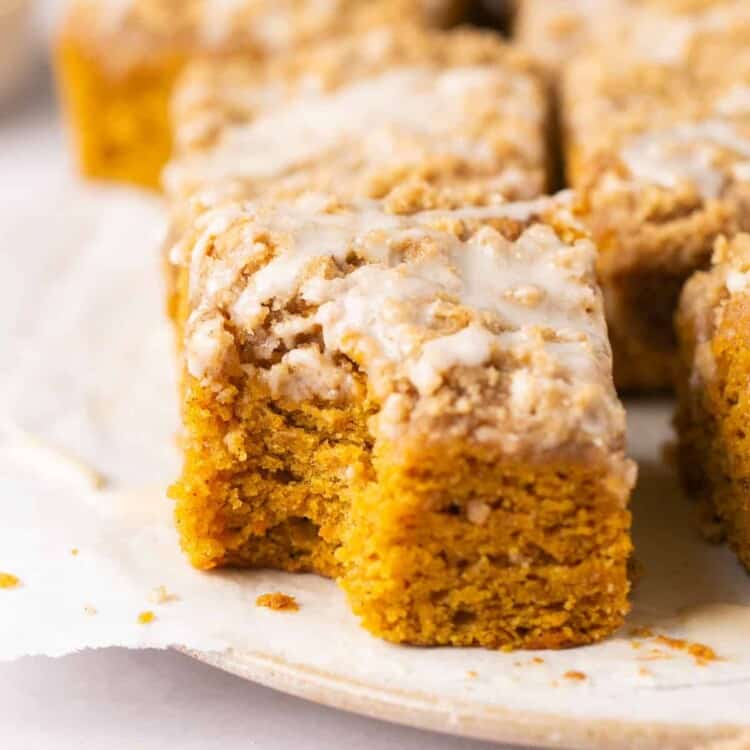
87 426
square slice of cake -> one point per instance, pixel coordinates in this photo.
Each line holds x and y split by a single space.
659 154
713 325
117 61
419 405
460 113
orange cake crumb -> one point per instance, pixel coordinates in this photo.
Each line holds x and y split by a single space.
654 654
89 610
74 552
674 643
160 595
9 581
699 651
144 618
575 676
472 675
278 602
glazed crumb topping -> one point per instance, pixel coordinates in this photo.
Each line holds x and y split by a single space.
656 30
477 116
269 25
706 295
489 317
469 110
679 127
708 155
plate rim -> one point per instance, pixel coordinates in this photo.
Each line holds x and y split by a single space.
460 718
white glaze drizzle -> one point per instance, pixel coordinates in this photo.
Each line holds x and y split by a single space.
397 116
419 303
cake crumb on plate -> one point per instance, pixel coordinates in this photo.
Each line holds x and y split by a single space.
145 618
278 601
702 653
160 595
9 581
575 676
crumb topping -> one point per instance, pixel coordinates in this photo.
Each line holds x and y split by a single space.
706 295
265 26
488 315
672 127
358 126
706 154
656 30
469 108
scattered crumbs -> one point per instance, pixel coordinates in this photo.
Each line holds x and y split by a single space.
636 644
9 581
643 672
676 643
533 660
278 601
700 652
472 675
575 676
146 617
90 611
642 632
74 552
160 595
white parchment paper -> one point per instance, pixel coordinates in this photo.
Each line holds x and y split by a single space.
87 425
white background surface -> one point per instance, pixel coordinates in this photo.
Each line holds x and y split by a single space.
114 698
